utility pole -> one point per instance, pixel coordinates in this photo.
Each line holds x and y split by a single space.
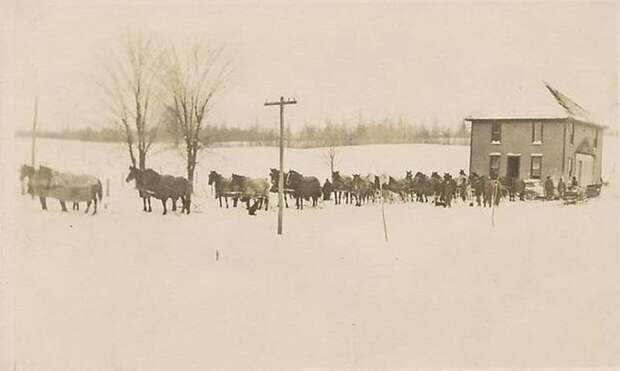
281 103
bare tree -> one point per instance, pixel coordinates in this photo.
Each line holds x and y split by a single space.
131 91
192 81
330 157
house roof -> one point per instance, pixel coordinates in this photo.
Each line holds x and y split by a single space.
539 104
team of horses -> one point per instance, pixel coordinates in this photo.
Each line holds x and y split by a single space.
358 189
45 182
355 189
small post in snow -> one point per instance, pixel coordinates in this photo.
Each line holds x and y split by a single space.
385 232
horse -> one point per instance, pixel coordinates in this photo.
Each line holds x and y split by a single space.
421 186
437 186
304 187
162 187
399 187
384 188
256 189
341 185
363 188
274 175
46 182
223 188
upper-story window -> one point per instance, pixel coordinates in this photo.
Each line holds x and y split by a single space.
537 132
572 133
496 132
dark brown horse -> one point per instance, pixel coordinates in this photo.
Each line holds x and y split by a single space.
274 175
342 185
162 187
224 188
363 188
64 187
304 187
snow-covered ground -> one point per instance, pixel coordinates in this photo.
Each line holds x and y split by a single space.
125 290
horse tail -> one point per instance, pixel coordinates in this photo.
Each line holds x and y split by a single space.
99 190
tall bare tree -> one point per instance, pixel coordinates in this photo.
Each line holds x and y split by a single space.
132 91
330 157
193 80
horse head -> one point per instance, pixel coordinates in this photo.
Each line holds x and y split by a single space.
214 177
26 171
134 173
409 174
292 178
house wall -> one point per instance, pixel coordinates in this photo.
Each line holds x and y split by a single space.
517 139
583 131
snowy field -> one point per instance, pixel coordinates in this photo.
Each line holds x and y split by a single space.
125 290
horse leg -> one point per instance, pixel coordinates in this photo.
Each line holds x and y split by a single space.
144 204
148 200
63 206
174 204
163 203
225 199
266 203
43 203
95 206
88 206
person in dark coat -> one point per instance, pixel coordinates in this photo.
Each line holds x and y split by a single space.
327 190
479 186
549 188
519 188
561 188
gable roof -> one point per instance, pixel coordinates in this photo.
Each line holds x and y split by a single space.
537 103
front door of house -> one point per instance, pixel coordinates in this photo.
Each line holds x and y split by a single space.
585 169
513 166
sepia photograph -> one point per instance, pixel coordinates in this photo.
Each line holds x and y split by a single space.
309 185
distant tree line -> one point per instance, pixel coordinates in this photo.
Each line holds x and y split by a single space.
327 134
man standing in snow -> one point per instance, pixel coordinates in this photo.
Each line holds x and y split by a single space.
549 188
327 190
561 188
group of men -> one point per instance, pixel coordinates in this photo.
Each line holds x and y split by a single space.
550 188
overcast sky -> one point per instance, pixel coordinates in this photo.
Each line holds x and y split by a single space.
424 62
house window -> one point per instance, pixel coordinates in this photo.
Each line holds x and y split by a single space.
537 132
536 168
572 133
494 166
496 132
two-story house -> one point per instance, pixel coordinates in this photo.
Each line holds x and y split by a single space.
537 147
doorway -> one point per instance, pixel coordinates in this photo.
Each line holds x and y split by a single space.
585 169
513 166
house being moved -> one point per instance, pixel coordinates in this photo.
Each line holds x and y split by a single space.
562 145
